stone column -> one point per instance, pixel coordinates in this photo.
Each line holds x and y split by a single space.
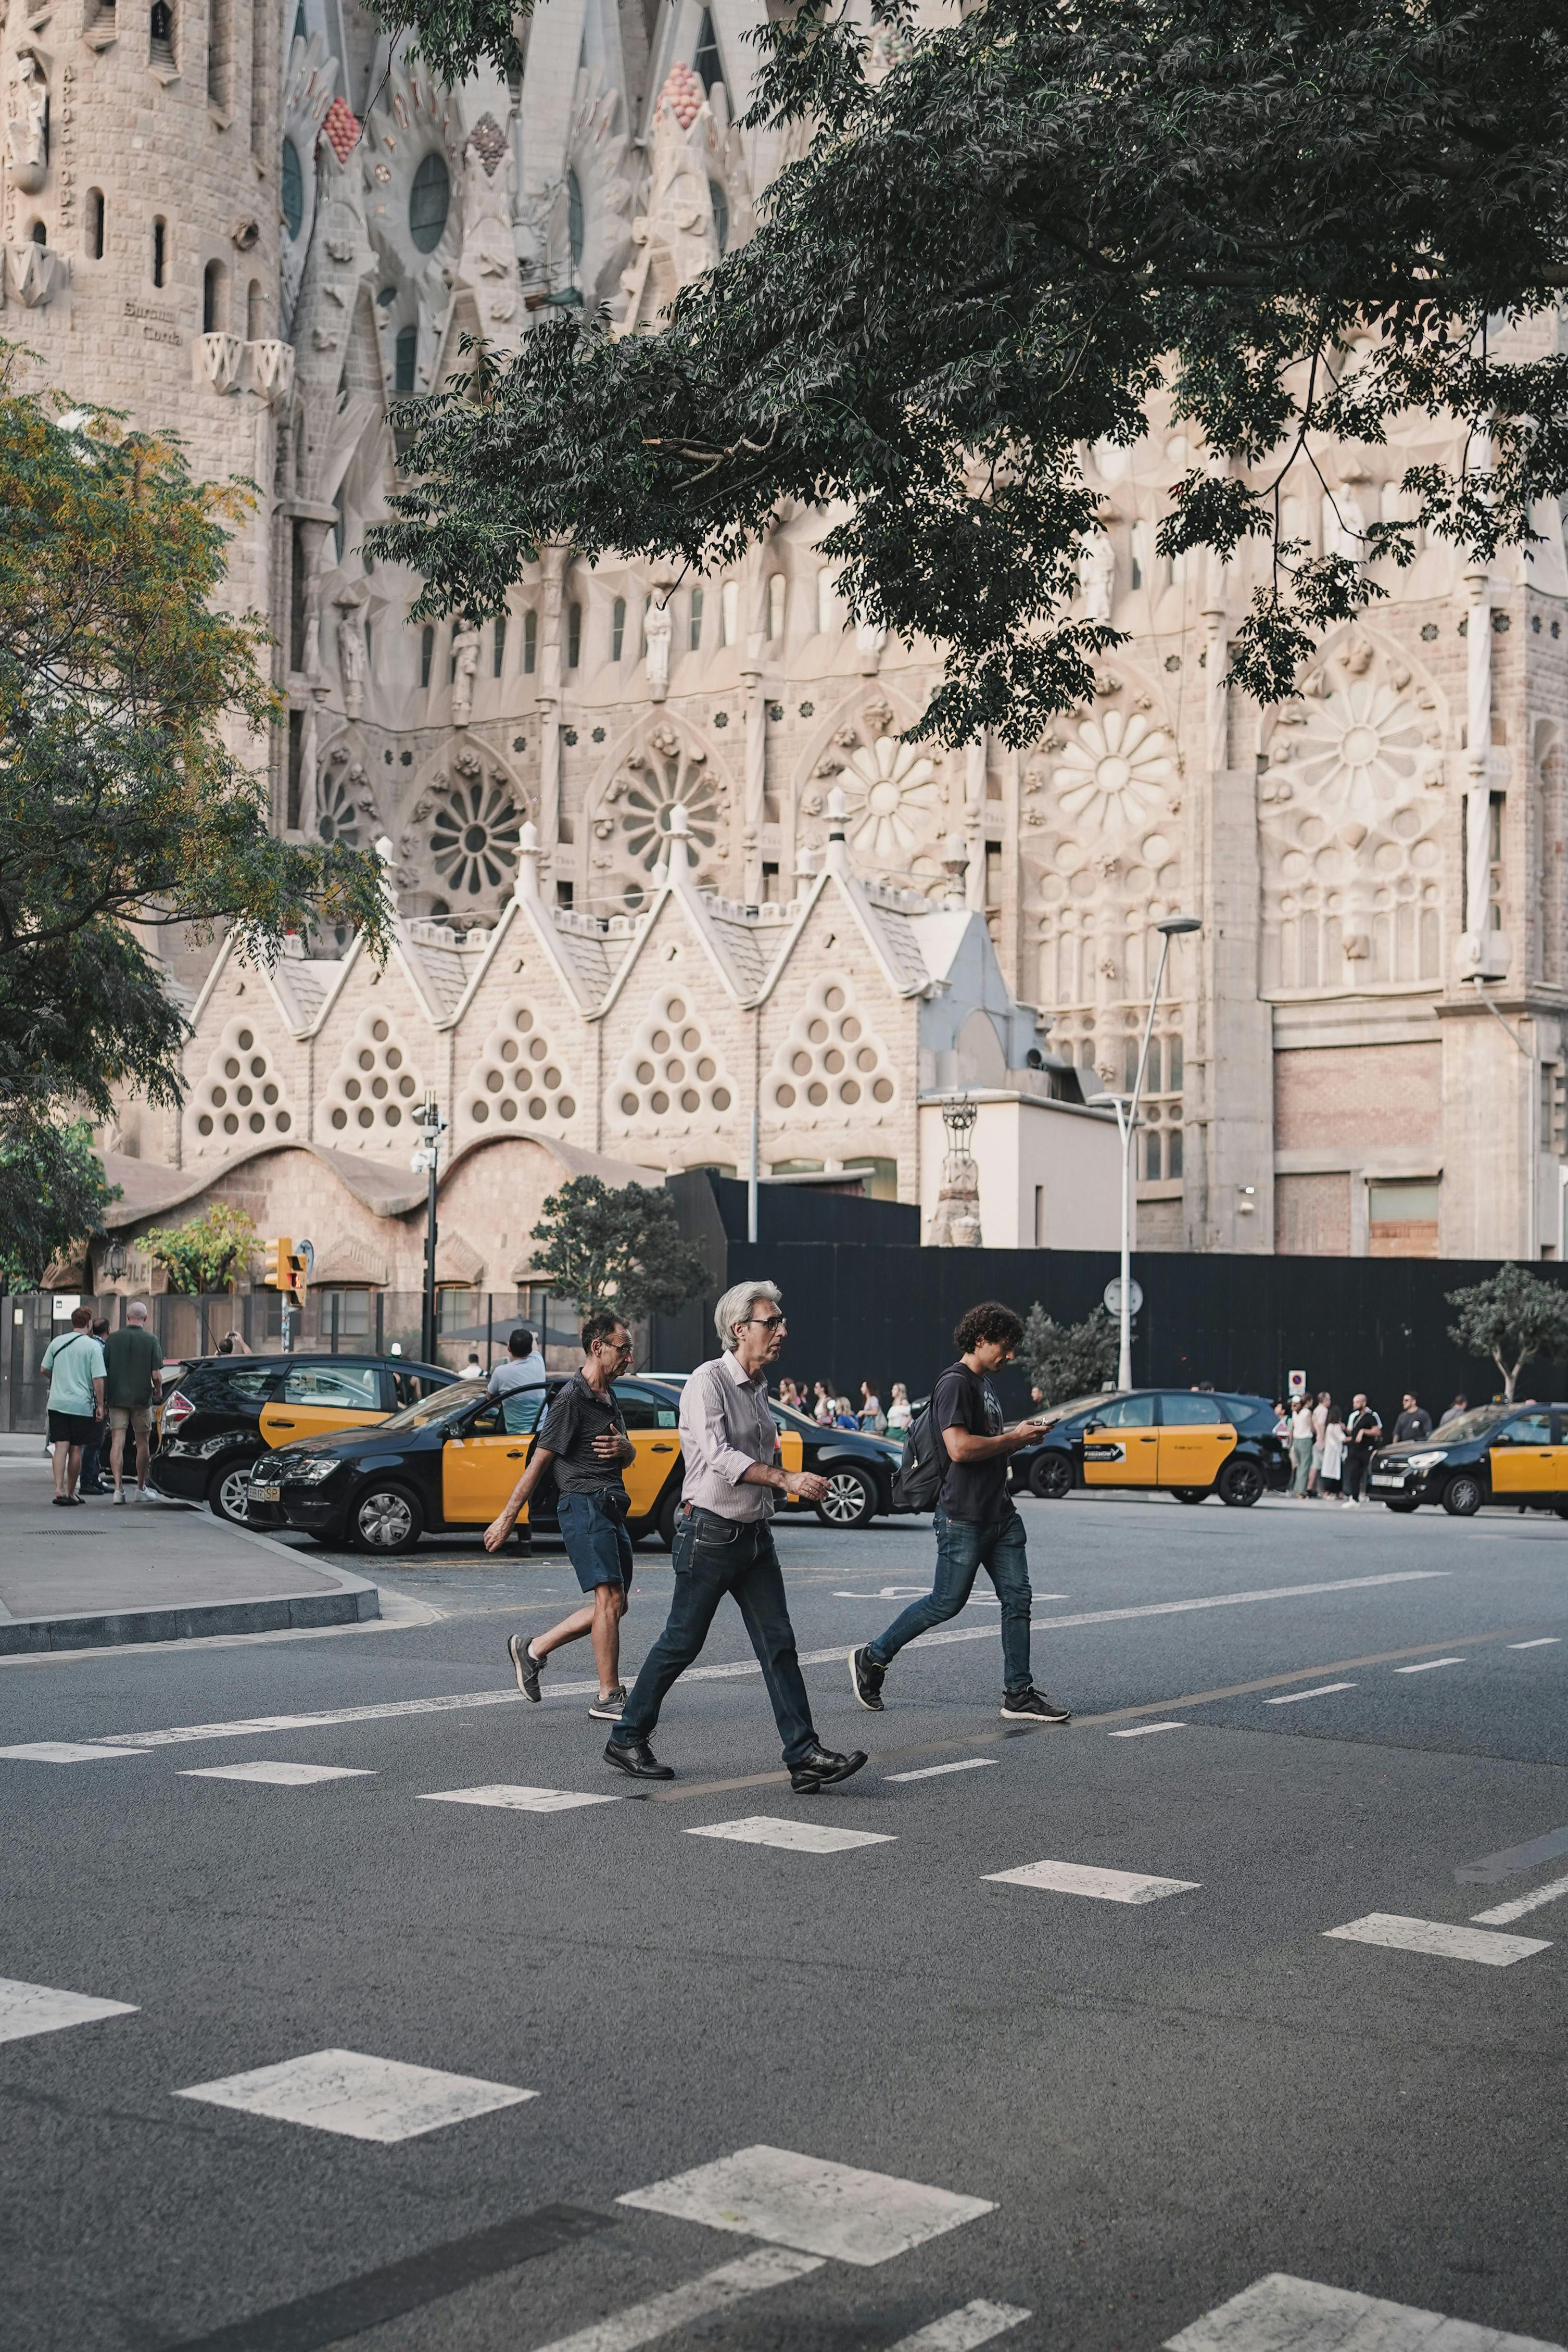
552 575
974 821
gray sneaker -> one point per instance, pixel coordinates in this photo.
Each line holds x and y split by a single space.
526 1667
610 1709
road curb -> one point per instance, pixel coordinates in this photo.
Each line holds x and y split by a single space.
353 1602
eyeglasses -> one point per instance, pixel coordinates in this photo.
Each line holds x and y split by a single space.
767 1322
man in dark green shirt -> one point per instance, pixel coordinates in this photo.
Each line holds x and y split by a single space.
133 1379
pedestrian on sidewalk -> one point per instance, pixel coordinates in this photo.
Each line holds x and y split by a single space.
871 1415
1414 1422
74 1363
1461 1405
1300 1449
790 1395
1334 1453
1362 1435
978 1523
133 1383
900 1413
584 1440
93 1481
523 1370
723 1543
1320 1431
822 1411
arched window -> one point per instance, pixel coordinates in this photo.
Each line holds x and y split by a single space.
498 653
775 604
728 612
160 34
429 202
213 304
720 204
41 236
617 628
427 653
530 642
406 352
291 189
573 636
255 312
95 224
709 64
159 251
694 636
576 232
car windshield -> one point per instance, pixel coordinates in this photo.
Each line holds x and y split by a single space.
1470 1424
446 1404
1052 1414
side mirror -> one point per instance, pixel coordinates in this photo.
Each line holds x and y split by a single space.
1090 1426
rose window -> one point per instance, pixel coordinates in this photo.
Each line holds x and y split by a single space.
667 775
892 793
241 1097
1115 774
373 1091
829 1062
474 838
339 818
672 1074
519 1081
1351 754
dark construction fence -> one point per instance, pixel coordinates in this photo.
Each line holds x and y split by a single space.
866 1302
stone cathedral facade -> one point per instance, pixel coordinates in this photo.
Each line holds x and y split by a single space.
246 222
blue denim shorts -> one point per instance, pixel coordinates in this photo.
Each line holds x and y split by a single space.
598 1546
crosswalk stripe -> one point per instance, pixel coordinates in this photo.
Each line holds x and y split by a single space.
1430 1665
1141 1730
1324 1690
808 2202
27 2009
720 2290
1501 1913
1438 1939
347 2091
65 1751
518 1799
793 1836
1280 2310
278 1776
1541 1642
935 1772
1082 1878
960 2331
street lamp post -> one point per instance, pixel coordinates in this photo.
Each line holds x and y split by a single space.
1127 1125
425 1162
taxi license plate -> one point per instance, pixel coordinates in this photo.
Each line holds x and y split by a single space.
265 1494
1380 1478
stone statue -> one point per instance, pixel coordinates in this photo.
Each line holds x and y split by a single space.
658 629
466 664
488 263
26 121
351 657
1097 575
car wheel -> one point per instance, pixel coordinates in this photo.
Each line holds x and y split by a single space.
1403 1503
849 1501
1192 1494
1462 1496
664 1517
1240 1484
387 1519
228 1490
1050 1478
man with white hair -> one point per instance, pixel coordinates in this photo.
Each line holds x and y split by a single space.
132 1379
723 1543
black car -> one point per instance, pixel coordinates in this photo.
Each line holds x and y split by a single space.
858 1465
224 1414
1190 1442
1499 1454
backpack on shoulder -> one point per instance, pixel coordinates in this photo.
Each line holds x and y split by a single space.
917 1481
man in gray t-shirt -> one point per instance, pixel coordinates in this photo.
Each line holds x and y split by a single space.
523 1369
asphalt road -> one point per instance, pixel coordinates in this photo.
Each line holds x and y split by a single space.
1114 2115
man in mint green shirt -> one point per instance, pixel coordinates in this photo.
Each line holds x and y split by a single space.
74 1365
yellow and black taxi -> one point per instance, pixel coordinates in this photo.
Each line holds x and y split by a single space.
1191 1442
224 1413
1514 1453
447 1463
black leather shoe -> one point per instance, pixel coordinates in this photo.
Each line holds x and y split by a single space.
821 1769
635 1756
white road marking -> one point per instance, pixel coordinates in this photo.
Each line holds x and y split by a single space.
1324 1690
27 2009
832 2210
1083 1878
279 1776
364 2098
1430 1665
918 1592
720 2290
1502 1913
386 1710
931 1771
960 2331
65 1751
1541 1642
516 1800
1437 1940
1141 1730
1281 2311
794 1836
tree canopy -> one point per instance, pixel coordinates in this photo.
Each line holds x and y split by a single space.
1069 1360
211 1251
622 1249
1512 1317
1287 222
52 1197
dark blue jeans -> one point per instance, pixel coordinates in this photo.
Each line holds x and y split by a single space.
963 1548
713 1556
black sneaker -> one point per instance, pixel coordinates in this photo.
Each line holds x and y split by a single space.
637 1758
865 1680
526 1667
1034 1707
610 1709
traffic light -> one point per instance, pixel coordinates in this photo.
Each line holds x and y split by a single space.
278 1273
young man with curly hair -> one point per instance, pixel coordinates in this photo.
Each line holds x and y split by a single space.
978 1524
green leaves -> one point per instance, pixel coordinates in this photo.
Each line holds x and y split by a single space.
1512 1317
52 1194
214 1249
1276 225
1067 1359
622 1250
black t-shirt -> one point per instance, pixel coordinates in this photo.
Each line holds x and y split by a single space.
1364 1429
970 1490
1416 1423
577 1416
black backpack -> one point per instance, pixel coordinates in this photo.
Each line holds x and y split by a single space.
917 1481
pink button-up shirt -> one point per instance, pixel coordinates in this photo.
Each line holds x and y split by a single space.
726 1428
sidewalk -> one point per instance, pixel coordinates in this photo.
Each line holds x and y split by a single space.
154 1571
